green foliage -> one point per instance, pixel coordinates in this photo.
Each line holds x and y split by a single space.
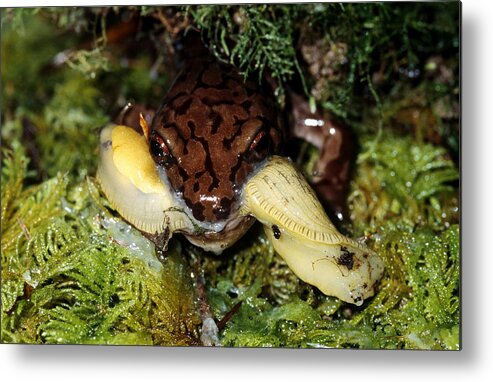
64 107
89 62
24 209
402 179
403 197
416 307
256 261
392 40
65 131
64 280
25 76
428 264
68 133
262 35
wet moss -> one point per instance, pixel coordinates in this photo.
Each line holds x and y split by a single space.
262 35
399 179
66 279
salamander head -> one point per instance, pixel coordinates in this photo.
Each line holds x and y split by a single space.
210 133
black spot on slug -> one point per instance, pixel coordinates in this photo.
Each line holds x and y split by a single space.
346 258
276 231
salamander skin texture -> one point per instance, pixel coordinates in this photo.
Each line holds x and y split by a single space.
217 128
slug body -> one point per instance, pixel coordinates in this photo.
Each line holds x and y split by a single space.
208 169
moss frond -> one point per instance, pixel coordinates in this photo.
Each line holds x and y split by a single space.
401 179
416 306
66 280
263 37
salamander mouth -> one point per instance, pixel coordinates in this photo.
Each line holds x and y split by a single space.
277 195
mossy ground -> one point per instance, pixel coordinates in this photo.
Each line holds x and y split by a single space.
72 272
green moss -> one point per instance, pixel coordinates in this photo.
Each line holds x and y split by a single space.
402 180
254 261
416 306
424 267
394 199
387 41
68 133
66 280
26 79
262 35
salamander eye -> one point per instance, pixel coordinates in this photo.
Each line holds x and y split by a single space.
260 146
159 150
